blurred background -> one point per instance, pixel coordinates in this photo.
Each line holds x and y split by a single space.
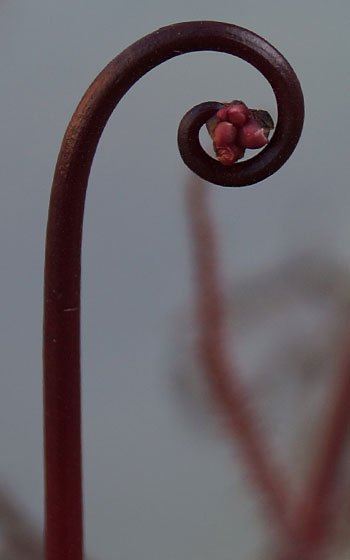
161 480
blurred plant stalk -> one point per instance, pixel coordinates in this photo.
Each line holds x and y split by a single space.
308 523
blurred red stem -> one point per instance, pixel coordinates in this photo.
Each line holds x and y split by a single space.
314 509
311 525
233 398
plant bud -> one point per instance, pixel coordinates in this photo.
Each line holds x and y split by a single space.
229 154
237 114
224 134
222 113
252 135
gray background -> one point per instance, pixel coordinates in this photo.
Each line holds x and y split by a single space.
155 488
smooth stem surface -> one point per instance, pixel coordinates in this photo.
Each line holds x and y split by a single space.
63 486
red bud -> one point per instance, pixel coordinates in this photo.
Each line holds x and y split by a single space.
238 114
222 113
229 154
252 135
224 133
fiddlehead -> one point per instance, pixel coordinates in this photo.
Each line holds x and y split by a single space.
64 230
290 104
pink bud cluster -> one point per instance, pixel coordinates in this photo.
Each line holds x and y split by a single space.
235 128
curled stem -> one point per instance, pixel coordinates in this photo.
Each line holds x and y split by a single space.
64 231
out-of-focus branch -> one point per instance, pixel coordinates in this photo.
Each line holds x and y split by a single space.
315 510
20 539
305 525
227 388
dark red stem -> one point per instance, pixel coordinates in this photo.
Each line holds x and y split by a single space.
63 523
